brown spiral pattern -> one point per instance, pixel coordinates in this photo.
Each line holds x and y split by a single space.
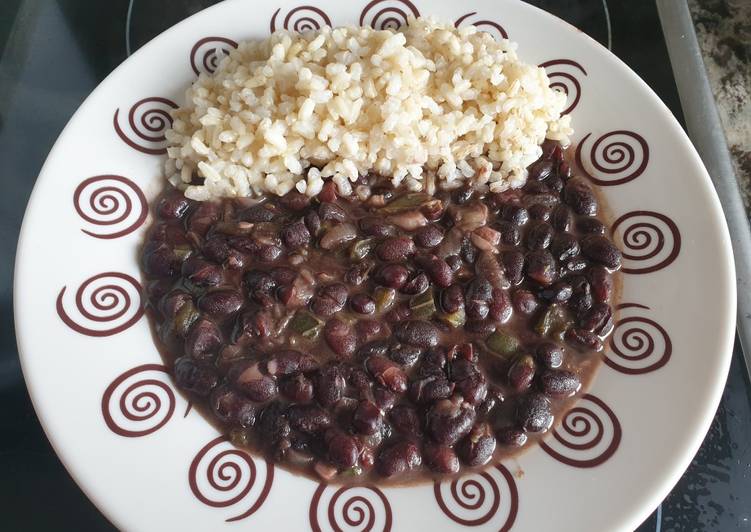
363 508
222 476
479 498
300 19
387 14
208 52
588 435
488 26
638 344
617 157
139 402
105 304
113 203
147 121
650 241
562 74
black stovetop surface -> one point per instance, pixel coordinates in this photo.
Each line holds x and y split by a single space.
54 52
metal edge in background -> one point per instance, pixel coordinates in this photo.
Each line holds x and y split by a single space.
706 133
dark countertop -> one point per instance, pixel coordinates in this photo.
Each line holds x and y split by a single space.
54 52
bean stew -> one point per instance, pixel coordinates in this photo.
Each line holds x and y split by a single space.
390 336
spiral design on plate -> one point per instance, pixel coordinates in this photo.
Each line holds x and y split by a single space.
638 344
208 52
139 402
300 19
105 304
616 157
479 498
562 74
649 240
361 508
112 203
488 26
147 121
588 435
223 476
387 14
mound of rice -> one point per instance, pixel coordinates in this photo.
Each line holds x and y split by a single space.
428 106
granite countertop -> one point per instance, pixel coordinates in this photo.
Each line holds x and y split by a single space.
723 29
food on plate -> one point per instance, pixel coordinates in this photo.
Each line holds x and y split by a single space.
424 301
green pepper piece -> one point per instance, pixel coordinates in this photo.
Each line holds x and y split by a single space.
184 319
455 319
182 252
360 249
423 305
384 298
354 471
502 343
305 324
553 321
405 202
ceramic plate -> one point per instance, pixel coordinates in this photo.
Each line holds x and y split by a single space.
149 463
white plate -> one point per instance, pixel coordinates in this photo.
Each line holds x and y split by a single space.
149 466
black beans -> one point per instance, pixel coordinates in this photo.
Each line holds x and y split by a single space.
288 362
511 437
362 304
597 319
539 236
405 355
559 383
601 283
416 285
355 337
194 376
438 270
510 234
524 302
340 337
564 246
398 459
521 373
296 236
533 413
441 459
452 299
515 214
376 226
329 299
310 419
580 197
549 355
387 373
221 304
249 379
392 276
448 421
429 236
601 250
201 272
477 447
405 421
329 384
395 249
513 264
342 449
416 332
540 266
204 338
367 418
232 408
